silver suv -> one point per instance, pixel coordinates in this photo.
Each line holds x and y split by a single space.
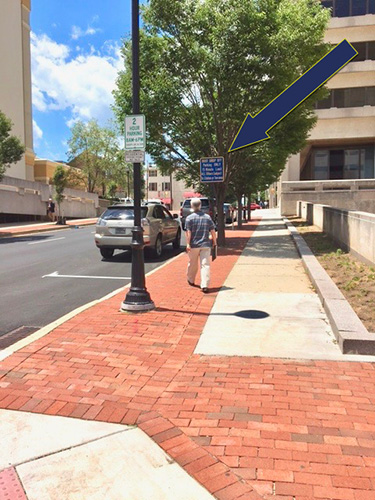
206 207
114 229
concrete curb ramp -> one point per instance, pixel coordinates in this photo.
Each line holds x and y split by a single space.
351 334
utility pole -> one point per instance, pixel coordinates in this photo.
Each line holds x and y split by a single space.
170 189
137 299
147 181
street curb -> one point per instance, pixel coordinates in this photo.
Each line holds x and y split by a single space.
51 326
193 458
36 231
351 334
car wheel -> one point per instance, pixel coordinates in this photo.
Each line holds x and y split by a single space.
107 253
158 248
177 240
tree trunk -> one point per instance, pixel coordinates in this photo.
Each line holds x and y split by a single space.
220 195
249 206
239 211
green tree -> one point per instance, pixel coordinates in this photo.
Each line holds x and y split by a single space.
95 150
257 169
59 180
11 148
206 63
112 188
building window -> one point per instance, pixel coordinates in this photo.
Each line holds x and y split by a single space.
348 98
359 7
349 163
152 173
366 51
321 165
345 8
165 186
153 186
342 8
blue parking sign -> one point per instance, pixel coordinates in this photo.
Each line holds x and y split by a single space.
212 169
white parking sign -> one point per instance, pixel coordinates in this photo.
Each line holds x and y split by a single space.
135 132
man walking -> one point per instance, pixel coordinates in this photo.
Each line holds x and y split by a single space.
51 210
200 230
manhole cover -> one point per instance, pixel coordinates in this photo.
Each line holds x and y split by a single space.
14 336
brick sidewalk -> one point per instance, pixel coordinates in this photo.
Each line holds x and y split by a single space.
243 427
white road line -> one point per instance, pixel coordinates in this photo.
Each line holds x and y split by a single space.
46 241
57 275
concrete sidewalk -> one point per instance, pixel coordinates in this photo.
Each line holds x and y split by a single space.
268 307
117 406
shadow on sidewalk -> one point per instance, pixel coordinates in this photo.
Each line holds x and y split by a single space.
245 314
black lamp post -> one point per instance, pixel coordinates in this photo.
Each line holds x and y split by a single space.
137 299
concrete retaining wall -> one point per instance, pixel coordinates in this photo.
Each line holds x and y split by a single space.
353 230
358 194
18 196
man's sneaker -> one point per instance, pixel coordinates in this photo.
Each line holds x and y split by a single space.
190 283
205 290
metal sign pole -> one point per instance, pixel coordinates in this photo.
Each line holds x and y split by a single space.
137 299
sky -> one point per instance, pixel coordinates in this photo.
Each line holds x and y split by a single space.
75 59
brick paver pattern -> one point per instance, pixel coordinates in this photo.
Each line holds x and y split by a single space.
244 427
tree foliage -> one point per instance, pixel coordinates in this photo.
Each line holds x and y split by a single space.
60 181
96 151
205 64
11 148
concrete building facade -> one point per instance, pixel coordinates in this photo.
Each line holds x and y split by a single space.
166 188
342 144
15 88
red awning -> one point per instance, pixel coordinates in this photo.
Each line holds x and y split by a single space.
190 194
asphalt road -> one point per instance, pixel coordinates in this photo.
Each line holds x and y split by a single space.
29 297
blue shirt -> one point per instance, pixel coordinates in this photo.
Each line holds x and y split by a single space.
200 225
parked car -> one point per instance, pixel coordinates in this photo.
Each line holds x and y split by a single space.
206 207
153 202
254 206
114 229
228 214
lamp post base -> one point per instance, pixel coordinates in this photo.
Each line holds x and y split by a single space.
137 301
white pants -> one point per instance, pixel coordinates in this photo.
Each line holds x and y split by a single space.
204 255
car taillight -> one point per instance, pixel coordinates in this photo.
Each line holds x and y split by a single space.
211 213
180 212
145 222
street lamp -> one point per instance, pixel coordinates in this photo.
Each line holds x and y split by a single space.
137 299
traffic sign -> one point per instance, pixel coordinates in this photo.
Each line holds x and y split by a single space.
212 169
135 132
135 156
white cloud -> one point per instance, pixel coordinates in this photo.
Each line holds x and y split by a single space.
38 133
78 32
81 83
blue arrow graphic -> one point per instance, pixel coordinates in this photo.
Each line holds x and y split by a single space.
254 128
